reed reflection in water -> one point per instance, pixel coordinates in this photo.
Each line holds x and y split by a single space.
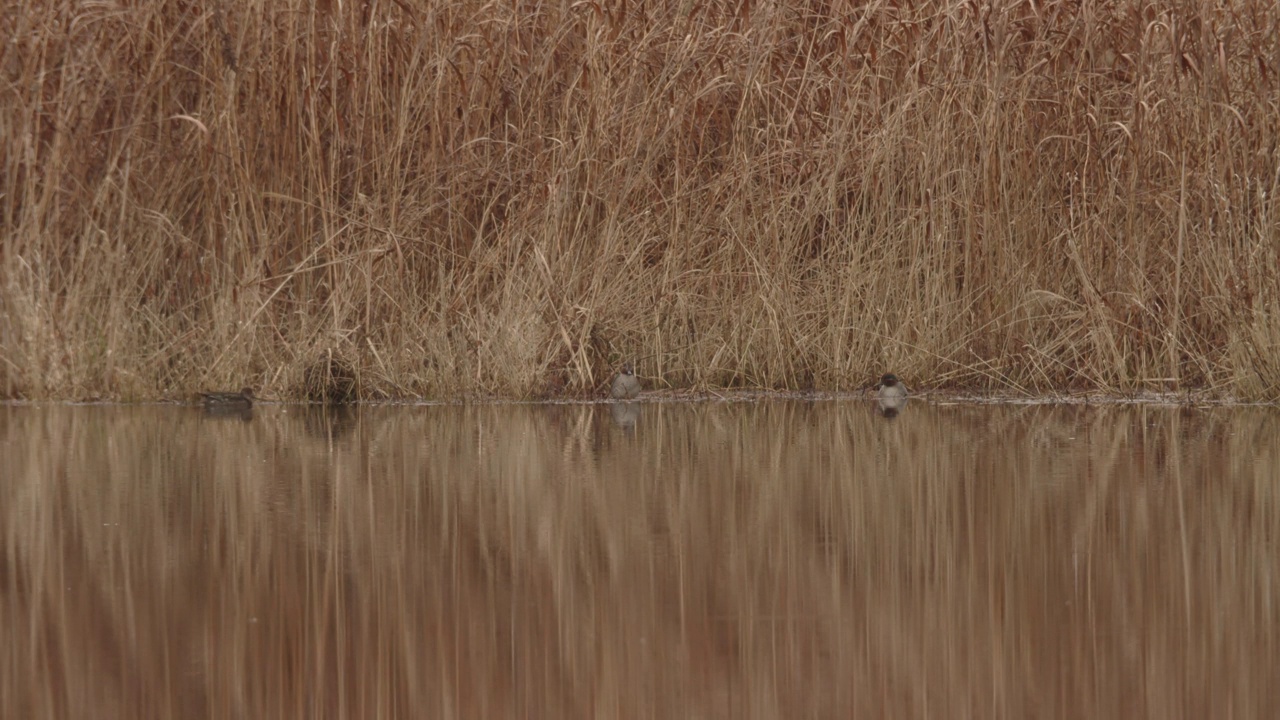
721 560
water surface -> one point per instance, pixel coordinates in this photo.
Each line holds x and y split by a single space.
655 560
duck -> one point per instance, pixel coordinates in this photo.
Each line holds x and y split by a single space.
892 397
242 399
892 389
626 385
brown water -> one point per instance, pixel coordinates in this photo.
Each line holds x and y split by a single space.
721 560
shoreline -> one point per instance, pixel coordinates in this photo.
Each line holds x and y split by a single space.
1193 398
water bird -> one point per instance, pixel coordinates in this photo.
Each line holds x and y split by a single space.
626 385
891 389
892 397
242 399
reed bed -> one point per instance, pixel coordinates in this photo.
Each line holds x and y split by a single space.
509 199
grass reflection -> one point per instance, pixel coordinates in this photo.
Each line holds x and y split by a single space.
784 559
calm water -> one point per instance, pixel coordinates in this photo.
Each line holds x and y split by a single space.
718 560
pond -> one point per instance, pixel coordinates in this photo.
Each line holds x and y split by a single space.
798 558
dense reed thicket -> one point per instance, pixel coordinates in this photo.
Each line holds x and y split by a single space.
511 198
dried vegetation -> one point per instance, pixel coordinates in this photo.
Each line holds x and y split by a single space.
512 198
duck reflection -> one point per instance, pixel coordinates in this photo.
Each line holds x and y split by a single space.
890 411
625 415
243 413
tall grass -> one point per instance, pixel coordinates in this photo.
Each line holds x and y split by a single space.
511 198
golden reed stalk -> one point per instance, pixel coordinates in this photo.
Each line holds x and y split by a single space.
478 198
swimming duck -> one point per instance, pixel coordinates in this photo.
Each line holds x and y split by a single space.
891 388
243 399
626 385
892 397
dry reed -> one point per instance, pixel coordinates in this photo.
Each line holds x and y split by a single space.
511 198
